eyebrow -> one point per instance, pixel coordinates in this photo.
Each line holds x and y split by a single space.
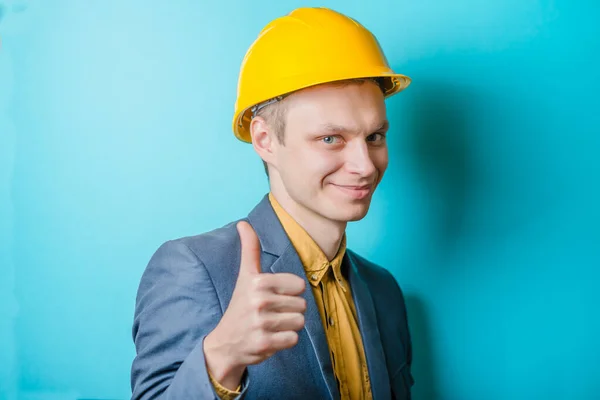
339 128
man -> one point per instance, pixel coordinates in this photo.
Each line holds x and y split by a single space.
274 306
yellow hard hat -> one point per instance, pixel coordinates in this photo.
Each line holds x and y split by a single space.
307 47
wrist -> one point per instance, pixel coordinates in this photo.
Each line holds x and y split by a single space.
221 363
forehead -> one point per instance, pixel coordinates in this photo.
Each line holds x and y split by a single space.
358 106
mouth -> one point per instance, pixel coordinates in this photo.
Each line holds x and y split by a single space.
355 192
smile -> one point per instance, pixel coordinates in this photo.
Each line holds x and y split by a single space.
355 192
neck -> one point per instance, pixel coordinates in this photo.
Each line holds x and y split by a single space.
326 233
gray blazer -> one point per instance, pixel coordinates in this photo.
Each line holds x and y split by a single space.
187 286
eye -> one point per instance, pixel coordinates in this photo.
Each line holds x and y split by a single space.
329 139
376 137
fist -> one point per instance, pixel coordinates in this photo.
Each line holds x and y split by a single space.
265 313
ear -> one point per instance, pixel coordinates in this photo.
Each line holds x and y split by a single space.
263 139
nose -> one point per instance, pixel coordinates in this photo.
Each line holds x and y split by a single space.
359 159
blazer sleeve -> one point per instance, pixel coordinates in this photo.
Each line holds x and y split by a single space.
176 307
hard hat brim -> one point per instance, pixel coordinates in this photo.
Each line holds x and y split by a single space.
393 84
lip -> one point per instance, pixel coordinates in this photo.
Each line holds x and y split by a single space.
356 192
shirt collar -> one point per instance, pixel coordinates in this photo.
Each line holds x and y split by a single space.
312 257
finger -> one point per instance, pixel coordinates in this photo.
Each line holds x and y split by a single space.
282 303
283 340
281 283
278 322
250 257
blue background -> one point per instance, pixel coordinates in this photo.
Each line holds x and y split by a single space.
115 136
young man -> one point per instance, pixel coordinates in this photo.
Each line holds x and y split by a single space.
274 306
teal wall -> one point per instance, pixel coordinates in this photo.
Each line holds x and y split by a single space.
115 136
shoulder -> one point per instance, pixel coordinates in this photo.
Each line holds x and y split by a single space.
367 268
205 246
209 259
379 279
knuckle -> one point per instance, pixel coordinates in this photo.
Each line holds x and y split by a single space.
293 339
265 324
263 344
301 283
256 323
260 303
300 321
258 282
303 304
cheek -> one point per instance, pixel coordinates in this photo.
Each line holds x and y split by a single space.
325 166
314 166
380 160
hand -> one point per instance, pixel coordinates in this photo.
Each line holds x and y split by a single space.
263 317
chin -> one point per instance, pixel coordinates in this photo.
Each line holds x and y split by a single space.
350 213
357 216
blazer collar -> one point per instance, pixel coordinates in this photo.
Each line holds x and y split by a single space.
272 236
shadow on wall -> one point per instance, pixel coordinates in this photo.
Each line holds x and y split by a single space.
439 145
434 121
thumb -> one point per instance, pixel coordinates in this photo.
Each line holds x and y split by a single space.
250 259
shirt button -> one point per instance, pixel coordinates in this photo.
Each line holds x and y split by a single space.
314 277
331 321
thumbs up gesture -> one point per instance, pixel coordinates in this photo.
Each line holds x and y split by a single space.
263 317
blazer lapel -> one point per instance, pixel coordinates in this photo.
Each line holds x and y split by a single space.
290 262
367 320
274 240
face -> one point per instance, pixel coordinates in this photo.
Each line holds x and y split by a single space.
335 152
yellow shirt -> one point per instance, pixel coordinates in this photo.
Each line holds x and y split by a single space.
336 307
222 391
